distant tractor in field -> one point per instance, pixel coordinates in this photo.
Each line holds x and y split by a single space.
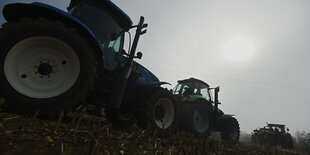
273 134
199 113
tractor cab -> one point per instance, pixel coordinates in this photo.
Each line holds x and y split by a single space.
277 128
108 24
192 89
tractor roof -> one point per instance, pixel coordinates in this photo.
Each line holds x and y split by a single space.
114 11
119 15
193 80
280 125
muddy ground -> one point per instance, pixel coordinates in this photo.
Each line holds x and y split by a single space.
84 134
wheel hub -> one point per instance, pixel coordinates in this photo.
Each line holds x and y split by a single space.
45 69
164 113
159 112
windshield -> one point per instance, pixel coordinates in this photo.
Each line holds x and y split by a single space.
186 89
107 31
115 44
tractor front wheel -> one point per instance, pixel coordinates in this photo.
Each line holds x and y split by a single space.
229 128
161 112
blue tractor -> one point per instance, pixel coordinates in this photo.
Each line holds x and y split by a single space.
52 61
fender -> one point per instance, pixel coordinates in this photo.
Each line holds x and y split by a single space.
218 118
194 97
160 83
206 102
16 11
228 115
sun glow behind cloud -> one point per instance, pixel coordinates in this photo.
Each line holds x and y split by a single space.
238 49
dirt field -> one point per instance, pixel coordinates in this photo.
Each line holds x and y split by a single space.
84 134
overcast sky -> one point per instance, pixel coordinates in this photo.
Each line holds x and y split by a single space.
257 51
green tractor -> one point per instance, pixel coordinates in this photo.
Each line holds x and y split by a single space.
200 114
53 61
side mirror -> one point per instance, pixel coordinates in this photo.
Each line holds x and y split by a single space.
139 55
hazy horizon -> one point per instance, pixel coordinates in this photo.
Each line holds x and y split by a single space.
257 51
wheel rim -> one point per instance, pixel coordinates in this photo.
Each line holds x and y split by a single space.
164 113
41 67
201 120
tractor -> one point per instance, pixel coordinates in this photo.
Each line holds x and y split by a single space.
199 113
54 61
274 135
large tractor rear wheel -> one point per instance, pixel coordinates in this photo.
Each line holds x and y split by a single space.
44 66
197 118
229 128
161 112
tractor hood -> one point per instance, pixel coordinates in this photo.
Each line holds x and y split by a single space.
146 76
